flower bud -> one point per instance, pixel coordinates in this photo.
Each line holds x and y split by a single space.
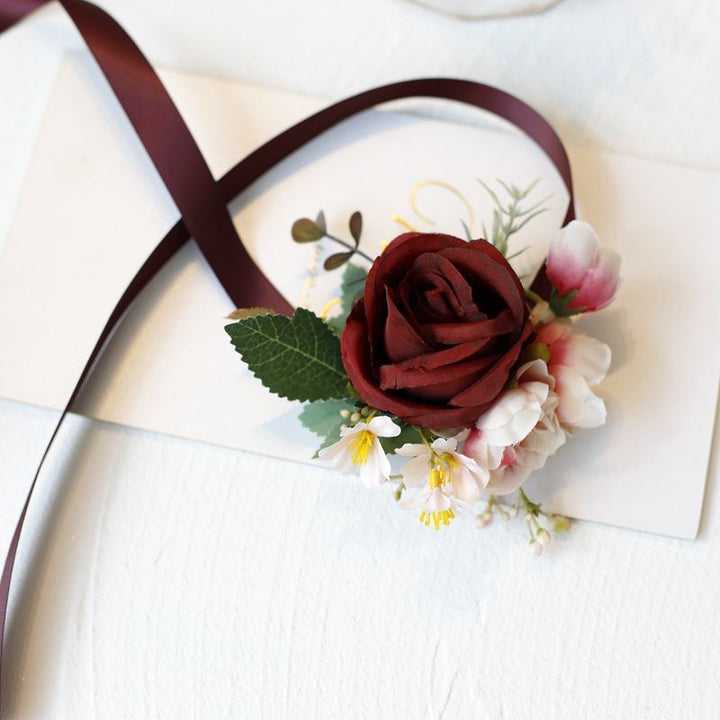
543 536
535 547
560 523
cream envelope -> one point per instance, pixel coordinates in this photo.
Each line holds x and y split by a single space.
93 207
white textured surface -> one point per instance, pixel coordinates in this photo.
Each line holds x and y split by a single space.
180 580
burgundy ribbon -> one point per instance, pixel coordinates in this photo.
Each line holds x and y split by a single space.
202 201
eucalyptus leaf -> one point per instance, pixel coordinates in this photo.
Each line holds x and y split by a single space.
306 231
356 226
337 260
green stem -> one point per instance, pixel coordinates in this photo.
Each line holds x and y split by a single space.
353 249
533 296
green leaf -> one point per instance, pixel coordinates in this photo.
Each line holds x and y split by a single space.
333 262
559 304
305 230
295 357
323 416
356 226
351 290
408 434
324 419
320 220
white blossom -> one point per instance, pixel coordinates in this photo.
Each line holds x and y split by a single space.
359 447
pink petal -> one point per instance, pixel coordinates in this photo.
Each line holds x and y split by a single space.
600 285
572 254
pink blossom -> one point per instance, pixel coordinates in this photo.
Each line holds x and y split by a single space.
575 263
519 431
577 363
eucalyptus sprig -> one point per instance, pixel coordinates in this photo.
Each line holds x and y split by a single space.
511 216
306 230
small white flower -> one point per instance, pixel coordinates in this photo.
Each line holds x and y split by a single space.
359 446
462 473
437 503
452 480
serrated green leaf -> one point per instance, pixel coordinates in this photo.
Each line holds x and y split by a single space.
306 230
295 357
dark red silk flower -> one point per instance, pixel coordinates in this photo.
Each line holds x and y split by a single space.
438 331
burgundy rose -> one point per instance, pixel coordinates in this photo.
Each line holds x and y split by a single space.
438 332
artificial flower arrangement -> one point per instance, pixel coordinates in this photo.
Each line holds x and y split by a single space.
440 356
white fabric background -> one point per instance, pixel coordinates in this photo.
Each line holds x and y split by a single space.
181 580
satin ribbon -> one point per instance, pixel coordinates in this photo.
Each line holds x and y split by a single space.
202 201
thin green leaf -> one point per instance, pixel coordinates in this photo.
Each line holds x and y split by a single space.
519 227
494 197
516 254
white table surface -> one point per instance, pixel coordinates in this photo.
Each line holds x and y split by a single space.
180 580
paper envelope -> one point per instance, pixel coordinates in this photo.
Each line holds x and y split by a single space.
93 207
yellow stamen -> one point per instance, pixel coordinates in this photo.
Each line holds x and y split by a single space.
442 517
404 223
360 446
436 478
329 307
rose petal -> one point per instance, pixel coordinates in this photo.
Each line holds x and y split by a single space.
397 377
485 266
465 307
488 387
453 333
401 341
394 267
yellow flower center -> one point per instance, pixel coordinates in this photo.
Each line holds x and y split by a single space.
360 446
441 474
